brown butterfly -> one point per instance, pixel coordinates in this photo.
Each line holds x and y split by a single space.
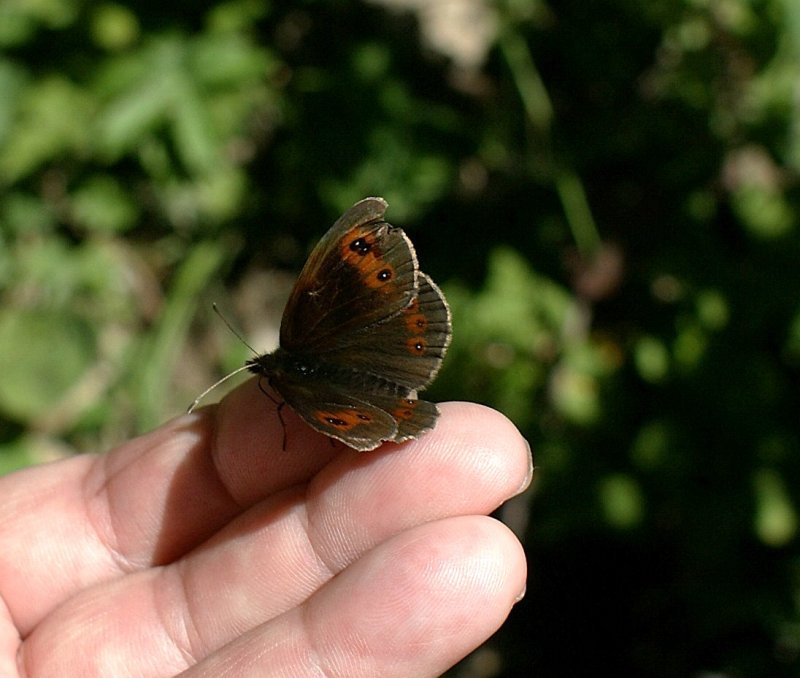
364 329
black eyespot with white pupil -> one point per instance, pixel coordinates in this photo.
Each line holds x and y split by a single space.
333 421
384 275
360 246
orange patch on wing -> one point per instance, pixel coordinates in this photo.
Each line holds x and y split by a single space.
378 279
416 345
359 249
406 410
416 323
356 244
343 420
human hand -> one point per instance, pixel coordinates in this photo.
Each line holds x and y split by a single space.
205 548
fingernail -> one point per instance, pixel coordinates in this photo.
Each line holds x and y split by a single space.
521 595
529 475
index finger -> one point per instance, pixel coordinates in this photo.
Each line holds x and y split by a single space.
73 523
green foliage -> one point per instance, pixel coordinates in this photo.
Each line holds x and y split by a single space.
607 191
35 377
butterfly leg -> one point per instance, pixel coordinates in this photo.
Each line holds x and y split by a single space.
279 407
283 424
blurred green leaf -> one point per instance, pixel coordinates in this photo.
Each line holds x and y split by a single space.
12 81
622 501
51 118
114 26
19 19
23 214
764 212
652 359
42 355
13 456
776 517
152 85
101 204
162 349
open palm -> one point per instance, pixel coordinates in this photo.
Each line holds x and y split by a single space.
205 549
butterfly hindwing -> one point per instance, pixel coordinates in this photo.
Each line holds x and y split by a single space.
340 415
407 348
361 422
413 416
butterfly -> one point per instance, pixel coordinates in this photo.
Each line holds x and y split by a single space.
364 329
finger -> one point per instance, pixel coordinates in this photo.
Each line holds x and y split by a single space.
414 606
284 549
472 462
272 558
85 520
288 547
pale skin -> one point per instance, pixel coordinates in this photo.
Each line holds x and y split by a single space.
204 549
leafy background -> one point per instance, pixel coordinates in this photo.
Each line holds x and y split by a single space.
607 190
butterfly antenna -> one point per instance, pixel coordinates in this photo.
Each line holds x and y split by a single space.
233 331
214 385
227 376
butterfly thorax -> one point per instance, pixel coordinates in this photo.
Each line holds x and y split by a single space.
288 366
281 364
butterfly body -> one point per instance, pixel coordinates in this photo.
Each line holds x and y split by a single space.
362 331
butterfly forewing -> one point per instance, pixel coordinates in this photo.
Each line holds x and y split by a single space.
361 272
